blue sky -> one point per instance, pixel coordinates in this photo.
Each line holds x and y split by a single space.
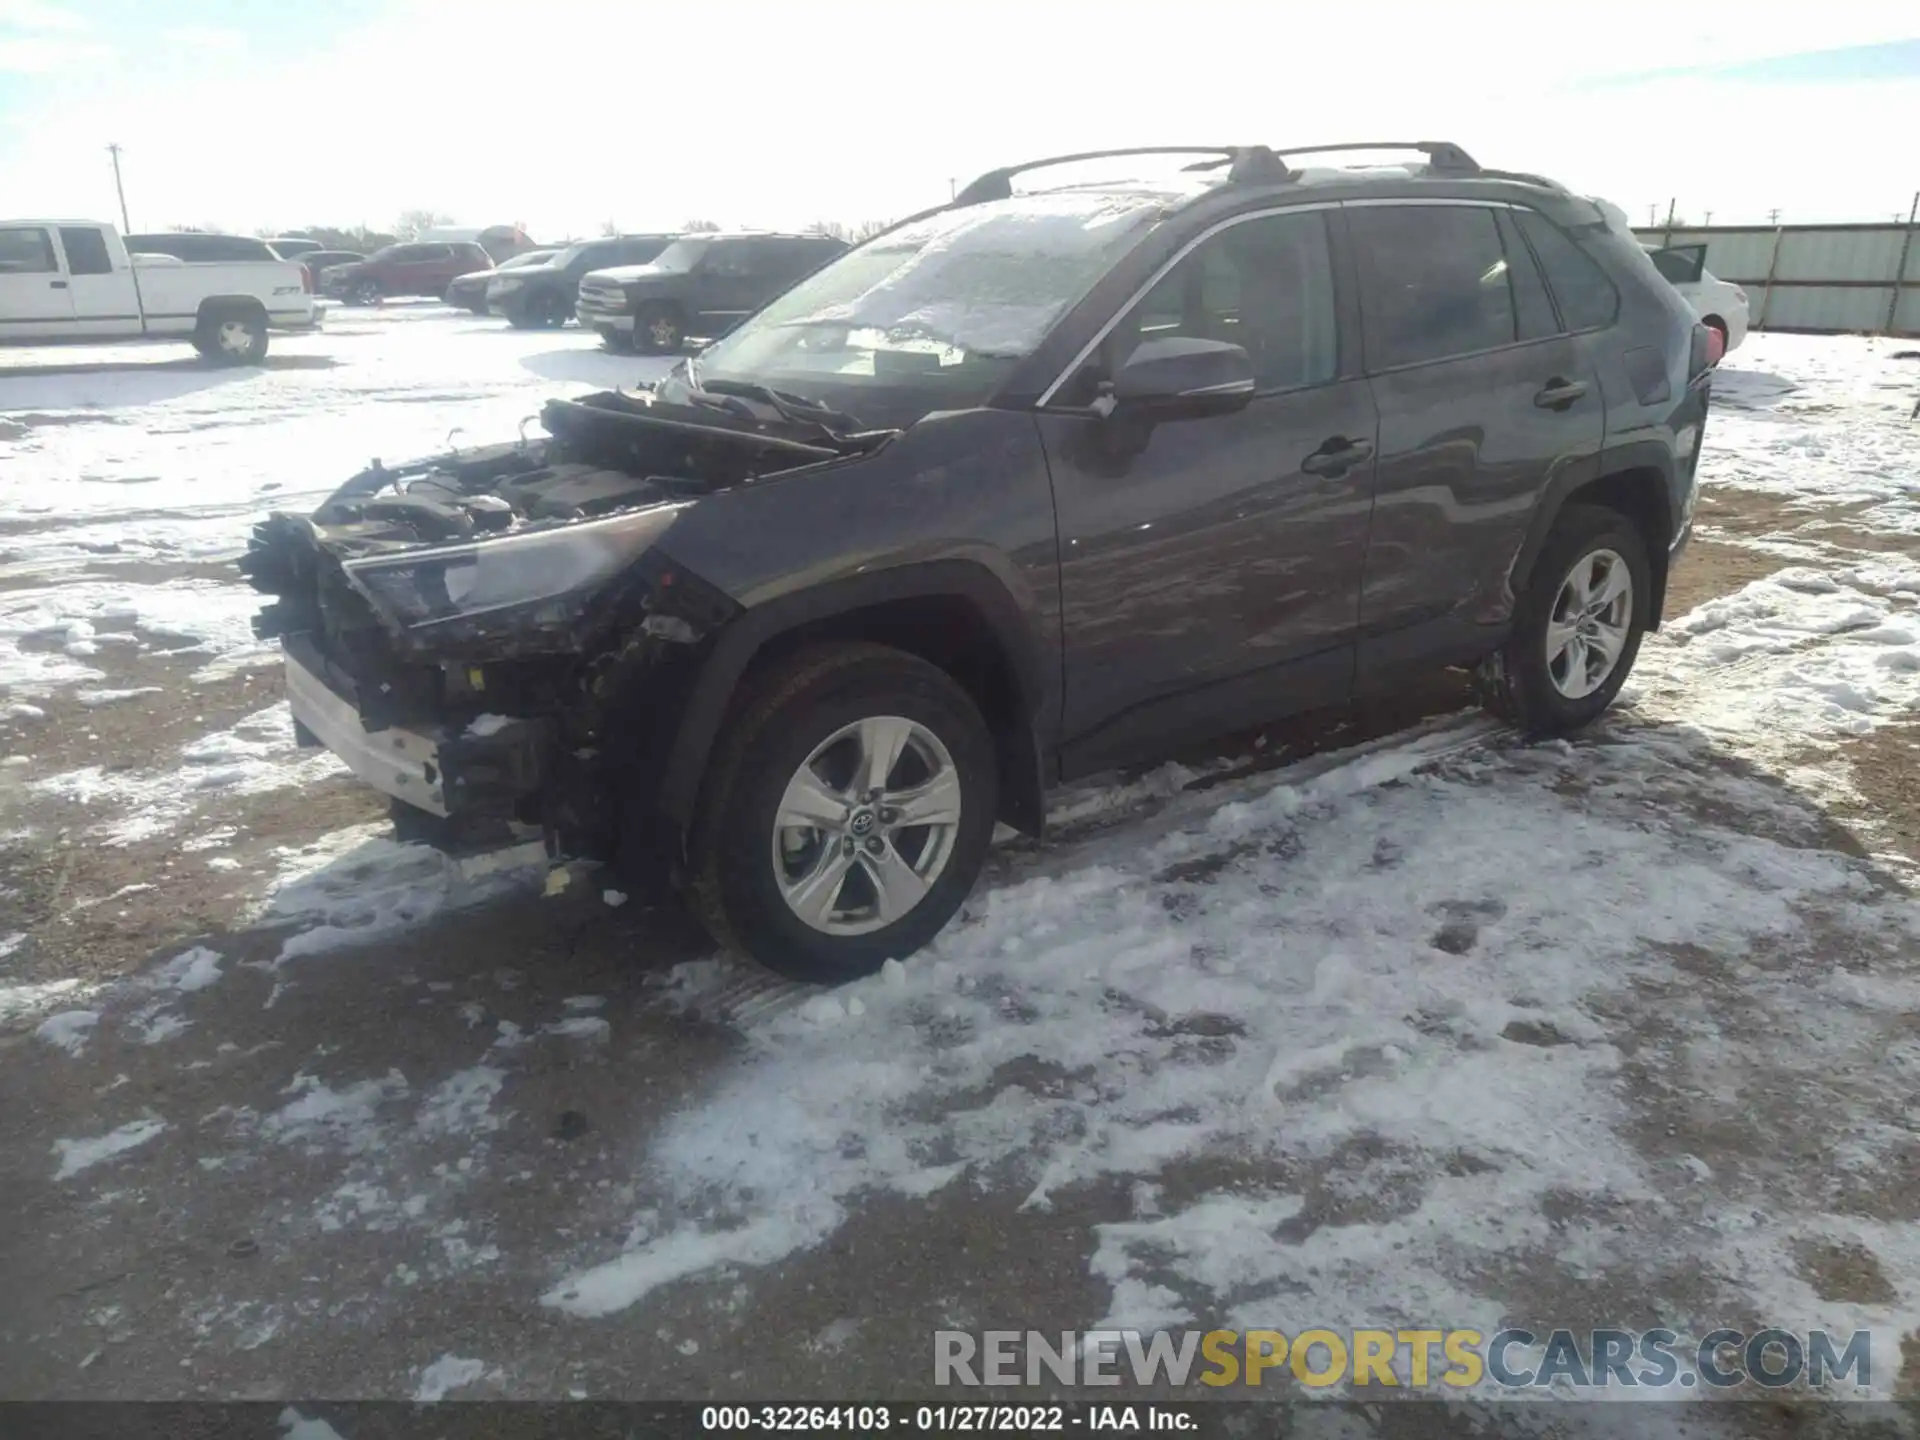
562 114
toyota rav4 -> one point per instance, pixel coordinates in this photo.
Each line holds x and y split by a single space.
1038 483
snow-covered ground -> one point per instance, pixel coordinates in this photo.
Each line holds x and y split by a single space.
1436 1030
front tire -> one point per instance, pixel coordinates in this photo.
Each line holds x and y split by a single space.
365 292
1577 627
847 814
659 330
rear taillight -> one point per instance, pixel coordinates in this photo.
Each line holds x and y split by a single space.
1702 351
306 280
1716 344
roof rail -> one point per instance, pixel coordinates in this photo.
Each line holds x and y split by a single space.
1248 162
1442 155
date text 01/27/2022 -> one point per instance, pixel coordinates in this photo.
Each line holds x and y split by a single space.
946 1419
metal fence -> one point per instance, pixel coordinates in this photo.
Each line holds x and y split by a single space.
1821 279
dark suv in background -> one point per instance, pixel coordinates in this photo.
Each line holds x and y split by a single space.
1029 486
699 285
544 295
414 267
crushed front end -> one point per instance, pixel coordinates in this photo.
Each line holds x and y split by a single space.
494 635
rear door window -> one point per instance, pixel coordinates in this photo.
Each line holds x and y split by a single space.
1581 289
1680 264
1433 282
1532 306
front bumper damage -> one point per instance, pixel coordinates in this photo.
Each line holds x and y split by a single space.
485 770
496 635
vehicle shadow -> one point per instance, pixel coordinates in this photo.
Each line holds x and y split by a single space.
1739 389
96 385
598 367
183 365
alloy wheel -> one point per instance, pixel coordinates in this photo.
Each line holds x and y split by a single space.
1591 619
866 825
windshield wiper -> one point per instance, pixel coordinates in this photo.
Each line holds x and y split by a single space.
801 410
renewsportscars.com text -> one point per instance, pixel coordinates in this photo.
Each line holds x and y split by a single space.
1718 1361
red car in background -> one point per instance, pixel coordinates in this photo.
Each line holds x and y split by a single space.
413 267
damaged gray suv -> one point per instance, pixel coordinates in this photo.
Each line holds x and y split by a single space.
1038 483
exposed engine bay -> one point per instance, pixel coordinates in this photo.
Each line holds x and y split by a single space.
609 451
464 630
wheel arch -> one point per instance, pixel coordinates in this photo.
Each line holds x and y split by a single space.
1636 482
956 614
220 307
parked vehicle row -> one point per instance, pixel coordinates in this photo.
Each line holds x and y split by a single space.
469 292
65 281
412 268
701 285
1028 487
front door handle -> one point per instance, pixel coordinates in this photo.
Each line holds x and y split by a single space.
1559 394
1337 456
56 284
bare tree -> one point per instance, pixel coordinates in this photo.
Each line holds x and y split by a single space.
610 229
699 227
867 229
412 223
831 228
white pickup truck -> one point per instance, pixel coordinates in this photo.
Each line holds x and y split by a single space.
65 281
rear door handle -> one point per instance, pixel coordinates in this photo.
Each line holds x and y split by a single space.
1337 456
1559 394
56 284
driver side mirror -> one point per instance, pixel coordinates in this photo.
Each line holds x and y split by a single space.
1172 377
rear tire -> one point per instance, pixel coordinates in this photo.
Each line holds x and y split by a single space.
232 337
365 292
1552 675
825 713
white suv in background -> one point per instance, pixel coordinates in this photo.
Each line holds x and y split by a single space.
1720 304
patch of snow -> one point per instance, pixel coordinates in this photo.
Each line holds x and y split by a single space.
344 1119
1266 984
485 725
448 1373
20 1001
190 970
78 1155
462 1104
93 698
591 1028
69 1029
359 885
299 1427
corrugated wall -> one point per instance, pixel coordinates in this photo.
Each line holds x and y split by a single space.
1828 279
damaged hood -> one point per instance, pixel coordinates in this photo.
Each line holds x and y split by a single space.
516 543
606 453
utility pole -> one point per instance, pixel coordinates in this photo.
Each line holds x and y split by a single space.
1773 217
1653 214
1706 218
118 189
1667 239
953 187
